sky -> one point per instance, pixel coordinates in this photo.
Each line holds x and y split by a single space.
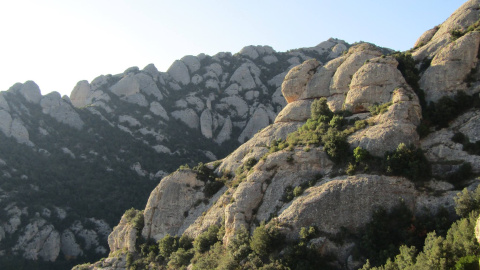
57 43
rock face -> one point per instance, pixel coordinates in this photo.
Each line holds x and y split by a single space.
450 67
164 205
53 105
452 60
124 235
297 79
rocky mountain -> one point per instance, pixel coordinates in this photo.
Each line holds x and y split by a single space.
368 135
70 166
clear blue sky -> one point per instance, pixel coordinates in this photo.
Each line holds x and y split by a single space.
57 43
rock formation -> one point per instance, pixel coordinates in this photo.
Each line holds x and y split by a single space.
362 77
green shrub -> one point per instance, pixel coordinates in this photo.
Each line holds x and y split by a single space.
467 201
360 154
469 262
319 109
297 191
409 162
264 240
206 239
351 169
379 108
456 34
180 258
167 245
335 144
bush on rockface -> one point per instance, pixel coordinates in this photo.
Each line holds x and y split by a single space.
409 162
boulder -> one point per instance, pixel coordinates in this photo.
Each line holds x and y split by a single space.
226 131
246 76
151 70
192 62
179 72
425 37
297 111
157 109
69 247
356 58
450 67
397 125
31 92
3 103
187 116
206 123
80 94
297 78
374 83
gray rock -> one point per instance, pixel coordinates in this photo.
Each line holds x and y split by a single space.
157 109
247 76
80 94
123 236
179 72
187 116
259 120
31 92
3 103
163 204
192 62
449 68
39 241
53 105
206 123
226 131
69 246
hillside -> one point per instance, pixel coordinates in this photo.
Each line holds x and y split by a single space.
366 161
71 166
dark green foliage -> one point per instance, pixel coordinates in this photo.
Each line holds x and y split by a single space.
319 109
360 154
456 34
185 242
167 245
207 175
409 162
457 250
335 144
205 240
265 240
470 262
307 233
239 246
387 230
180 258
406 65
464 172
467 202
446 109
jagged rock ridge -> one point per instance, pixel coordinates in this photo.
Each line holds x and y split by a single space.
71 165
